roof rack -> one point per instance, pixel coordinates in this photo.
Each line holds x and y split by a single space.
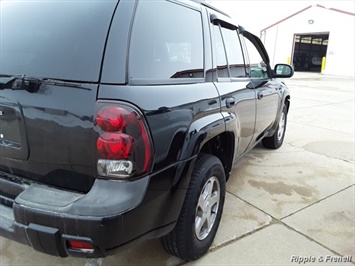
204 3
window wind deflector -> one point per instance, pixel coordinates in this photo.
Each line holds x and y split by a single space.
224 22
241 29
257 43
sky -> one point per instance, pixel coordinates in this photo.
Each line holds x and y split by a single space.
255 15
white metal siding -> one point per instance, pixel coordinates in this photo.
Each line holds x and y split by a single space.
340 53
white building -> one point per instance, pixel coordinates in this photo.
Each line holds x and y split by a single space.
310 34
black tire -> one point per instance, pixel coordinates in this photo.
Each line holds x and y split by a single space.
276 140
188 240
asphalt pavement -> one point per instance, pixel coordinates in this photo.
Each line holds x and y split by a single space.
291 206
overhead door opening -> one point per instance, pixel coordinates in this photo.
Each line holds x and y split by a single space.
309 49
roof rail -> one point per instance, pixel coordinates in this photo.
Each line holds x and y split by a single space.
204 3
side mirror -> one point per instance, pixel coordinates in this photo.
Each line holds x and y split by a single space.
283 71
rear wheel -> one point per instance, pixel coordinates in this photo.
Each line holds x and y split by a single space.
276 140
201 213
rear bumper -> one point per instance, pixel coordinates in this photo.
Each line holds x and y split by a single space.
111 217
47 218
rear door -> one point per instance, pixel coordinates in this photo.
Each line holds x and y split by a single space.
238 98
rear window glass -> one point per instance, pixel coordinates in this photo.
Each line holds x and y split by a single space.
56 39
167 42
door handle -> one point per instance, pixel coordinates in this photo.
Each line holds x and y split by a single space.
260 95
230 102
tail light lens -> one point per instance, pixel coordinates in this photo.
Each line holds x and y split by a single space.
80 246
116 145
124 145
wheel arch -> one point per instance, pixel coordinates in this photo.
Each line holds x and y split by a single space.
284 102
221 146
208 135
287 102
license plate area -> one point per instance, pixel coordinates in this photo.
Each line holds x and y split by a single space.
13 142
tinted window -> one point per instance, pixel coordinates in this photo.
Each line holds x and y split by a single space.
222 67
166 42
53 38
234 53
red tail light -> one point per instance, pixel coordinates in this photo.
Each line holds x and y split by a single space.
124 145
80 245
112 118
116 145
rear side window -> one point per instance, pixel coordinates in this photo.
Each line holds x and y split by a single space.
166 42
234 53
222 66
228 52
54 39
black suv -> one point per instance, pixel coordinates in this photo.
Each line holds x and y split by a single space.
121 120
